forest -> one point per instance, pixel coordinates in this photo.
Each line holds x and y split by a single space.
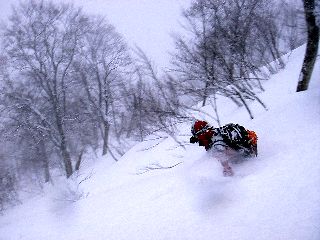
69 82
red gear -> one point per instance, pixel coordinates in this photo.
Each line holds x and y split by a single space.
203 132
199 126
205 139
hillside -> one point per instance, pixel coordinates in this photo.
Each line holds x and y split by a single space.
274 196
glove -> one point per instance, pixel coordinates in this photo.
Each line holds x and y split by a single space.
193 139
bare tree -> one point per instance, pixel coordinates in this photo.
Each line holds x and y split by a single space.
317 12
153 104
226 49
101 69
42 41
8 188
8 176
312 45
292 24
18 128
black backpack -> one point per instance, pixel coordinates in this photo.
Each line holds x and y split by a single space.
235 136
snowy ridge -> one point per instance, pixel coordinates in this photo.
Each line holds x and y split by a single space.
274 196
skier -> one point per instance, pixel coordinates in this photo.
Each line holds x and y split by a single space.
229 142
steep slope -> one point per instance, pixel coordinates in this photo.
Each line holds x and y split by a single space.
273 196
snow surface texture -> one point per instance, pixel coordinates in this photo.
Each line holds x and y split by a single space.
274 196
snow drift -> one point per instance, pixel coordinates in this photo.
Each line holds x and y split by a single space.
273 196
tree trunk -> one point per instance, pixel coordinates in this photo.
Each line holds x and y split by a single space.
312 46
47 175
64 149
45 161
105 138
66 158
205 94
78 163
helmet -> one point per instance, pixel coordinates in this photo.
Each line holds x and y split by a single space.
199 127
202 133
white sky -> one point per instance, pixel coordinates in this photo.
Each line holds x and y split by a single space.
145 23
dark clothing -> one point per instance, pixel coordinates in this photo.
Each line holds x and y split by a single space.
223 139
231 136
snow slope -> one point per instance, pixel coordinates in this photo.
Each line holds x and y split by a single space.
274 196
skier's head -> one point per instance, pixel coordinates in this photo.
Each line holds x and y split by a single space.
199 127
198 130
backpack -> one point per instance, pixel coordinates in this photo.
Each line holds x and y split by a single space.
237 137
232 135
